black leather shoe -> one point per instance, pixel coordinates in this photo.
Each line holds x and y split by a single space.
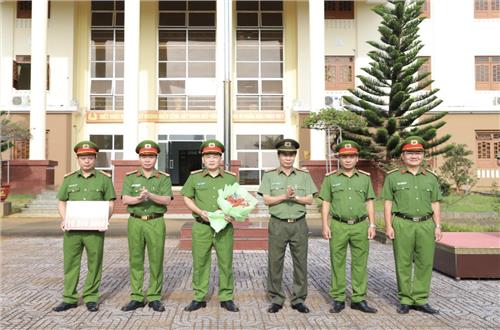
157 306
229 305
194 305
363 306
403 309
274 308
64 307
92 306
132 305
426 308
301 308
337 306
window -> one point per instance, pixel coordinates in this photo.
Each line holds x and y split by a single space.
488 72
24 9
257 153
110 148
106 55
339 72
339 9
259 56
186 55
425 68
486 8
488 146
425 11
21 76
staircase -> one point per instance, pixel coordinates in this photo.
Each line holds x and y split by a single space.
45 204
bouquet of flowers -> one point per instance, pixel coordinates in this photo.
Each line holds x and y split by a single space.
233 201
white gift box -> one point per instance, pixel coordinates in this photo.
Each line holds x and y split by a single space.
83 215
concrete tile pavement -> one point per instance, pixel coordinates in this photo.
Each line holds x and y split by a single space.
31 284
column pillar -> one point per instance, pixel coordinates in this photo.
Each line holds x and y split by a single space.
317 72
38 77
131 78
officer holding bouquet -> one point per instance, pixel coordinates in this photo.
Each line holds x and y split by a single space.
200 195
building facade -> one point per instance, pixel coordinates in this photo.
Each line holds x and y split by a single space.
117 72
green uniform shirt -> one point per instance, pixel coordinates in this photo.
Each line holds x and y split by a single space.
276 182
411 194
347 195
158 183
203 188
96 187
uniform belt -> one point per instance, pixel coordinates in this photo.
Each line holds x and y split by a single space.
201 221
351 221
415 219
146 217
289 220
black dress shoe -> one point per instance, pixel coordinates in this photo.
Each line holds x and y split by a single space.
337 306
194 305
403 309
363 306
64 307
274 308
229 305
301 308
92 306
426 308
157 306
132 305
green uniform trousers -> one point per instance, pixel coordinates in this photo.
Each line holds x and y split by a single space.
413 243
73 244
141 235
282 233
356 236
204 237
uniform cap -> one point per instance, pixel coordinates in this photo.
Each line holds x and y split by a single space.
347 147
147 147
413 143
287 145
212 147
85 148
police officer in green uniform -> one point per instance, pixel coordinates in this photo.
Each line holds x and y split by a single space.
146 192
347 196
411 199
287 190
200 195
85 184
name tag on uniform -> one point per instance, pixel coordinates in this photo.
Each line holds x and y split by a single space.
83 215
336 184
401 183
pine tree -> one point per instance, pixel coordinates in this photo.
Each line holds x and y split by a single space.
394 95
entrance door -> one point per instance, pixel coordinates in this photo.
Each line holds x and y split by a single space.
182 158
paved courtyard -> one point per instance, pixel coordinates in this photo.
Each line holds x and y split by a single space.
31 284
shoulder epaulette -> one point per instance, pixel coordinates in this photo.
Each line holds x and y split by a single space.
106 174
229 172
391 171
197 171
270 170
131 172
365 173
303 170
330 173
68 174
435 174
164 173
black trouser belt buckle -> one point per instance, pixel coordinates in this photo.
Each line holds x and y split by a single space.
412 218
290 220
146 217
352 221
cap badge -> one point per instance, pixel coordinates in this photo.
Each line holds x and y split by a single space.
348 146
147 146
85 146
414 142
288 144
211 145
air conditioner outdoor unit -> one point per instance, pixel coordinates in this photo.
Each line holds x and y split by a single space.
496 100
21 100
334 100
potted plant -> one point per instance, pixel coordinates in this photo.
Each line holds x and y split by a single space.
9 132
